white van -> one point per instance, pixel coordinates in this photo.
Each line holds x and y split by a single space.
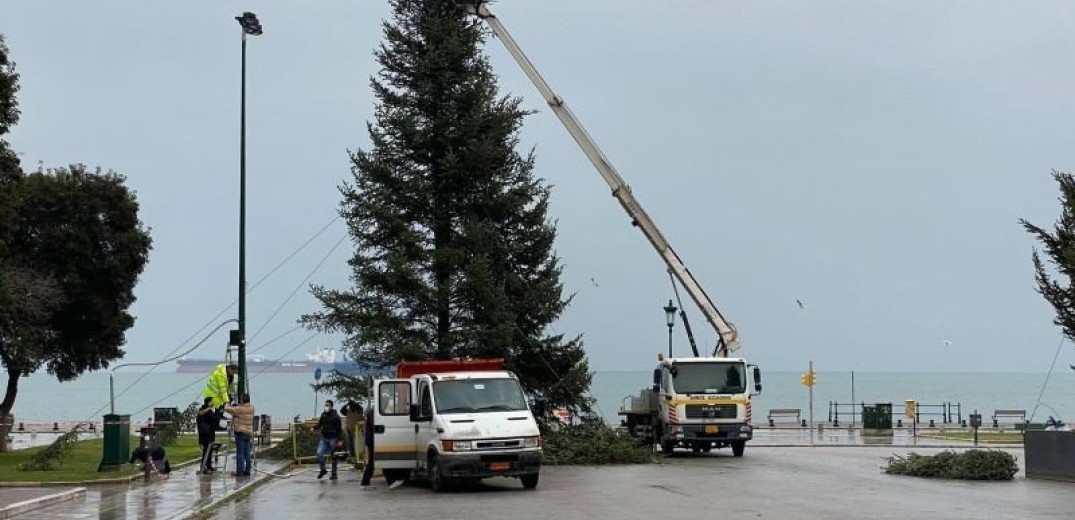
463 424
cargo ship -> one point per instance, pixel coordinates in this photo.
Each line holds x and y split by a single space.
325 359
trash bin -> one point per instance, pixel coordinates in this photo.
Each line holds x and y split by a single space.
117 442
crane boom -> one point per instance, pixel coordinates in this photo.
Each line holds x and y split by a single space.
727 337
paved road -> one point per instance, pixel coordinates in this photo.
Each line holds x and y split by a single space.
806 483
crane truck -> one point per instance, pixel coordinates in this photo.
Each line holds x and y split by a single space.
699 402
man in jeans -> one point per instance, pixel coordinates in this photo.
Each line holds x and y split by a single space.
331 428
242 421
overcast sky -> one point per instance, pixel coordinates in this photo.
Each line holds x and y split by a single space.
868 158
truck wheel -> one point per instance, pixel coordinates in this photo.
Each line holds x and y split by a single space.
738 447
530 481
437 481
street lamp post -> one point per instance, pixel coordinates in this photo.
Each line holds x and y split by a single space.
249 24
670 317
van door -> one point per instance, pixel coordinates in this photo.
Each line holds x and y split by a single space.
394 435
424 427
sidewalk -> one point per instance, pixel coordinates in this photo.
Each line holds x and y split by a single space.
14 501
179 496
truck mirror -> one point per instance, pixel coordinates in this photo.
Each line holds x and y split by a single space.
656 389
657 377
414 413
757 380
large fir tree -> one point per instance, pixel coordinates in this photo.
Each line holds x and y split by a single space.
454 248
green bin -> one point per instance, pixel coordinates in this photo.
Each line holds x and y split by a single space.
117 442
877 417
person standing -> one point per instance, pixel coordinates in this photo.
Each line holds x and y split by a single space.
352 414
242 421
331 427
207 422
367 437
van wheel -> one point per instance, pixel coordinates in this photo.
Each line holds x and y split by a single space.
437 482
530 481
738 447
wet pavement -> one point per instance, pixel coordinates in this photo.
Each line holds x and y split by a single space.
773 482
181 494
845 436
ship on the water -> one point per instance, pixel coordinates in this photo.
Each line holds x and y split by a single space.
325 359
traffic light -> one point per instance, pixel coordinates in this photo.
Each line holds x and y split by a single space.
808 379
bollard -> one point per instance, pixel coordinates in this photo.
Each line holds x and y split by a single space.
771 423
963 423
22 427
55 427
899 423
804 423
835 423
931 425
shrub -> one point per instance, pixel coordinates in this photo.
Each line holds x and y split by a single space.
307 444
593 442
51 456
180 423
969 465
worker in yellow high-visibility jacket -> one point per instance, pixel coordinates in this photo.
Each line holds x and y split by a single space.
219 385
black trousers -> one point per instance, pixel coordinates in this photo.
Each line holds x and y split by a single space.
367 470
207 455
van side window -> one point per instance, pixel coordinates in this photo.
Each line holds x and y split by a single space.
394 397
427 402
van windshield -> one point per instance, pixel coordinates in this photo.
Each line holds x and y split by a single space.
709 378
478 396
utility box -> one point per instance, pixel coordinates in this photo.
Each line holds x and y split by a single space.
162 417
877 420
117 442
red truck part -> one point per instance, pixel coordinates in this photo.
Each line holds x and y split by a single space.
406 369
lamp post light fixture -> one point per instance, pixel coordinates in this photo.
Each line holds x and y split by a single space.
670 317
249 24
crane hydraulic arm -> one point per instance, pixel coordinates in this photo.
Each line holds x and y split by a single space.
727 337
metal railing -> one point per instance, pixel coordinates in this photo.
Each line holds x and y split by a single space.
946 412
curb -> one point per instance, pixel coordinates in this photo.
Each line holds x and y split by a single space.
232 495
36 503
69 483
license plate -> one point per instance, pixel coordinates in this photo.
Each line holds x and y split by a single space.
712 429
499 466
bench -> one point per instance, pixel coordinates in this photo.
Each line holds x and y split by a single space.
784 412
1013 414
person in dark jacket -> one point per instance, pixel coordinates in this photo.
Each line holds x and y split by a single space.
331 427
207 425
352 414
367 470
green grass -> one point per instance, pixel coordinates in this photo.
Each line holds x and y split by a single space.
81 463
983 437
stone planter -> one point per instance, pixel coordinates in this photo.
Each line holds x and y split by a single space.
1049 455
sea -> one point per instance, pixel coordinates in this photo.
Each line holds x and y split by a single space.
283 396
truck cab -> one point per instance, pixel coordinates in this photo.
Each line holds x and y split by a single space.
696 403
464 424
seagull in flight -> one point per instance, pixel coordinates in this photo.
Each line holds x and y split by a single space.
594 282
946 343
801 305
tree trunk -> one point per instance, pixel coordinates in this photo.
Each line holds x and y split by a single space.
6 421
442 276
